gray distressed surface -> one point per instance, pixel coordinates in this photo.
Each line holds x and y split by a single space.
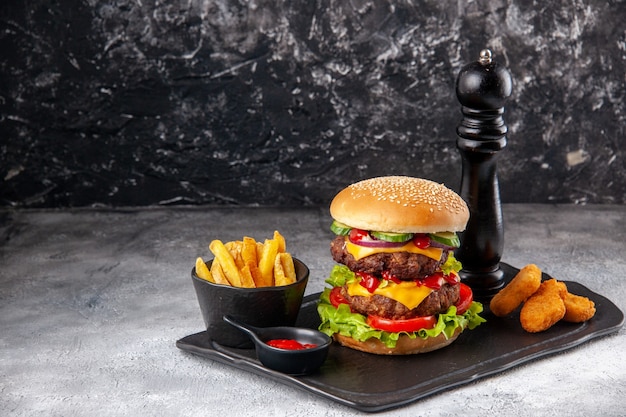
129 102
92 302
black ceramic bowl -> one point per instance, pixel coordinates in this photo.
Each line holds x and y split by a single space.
293 362
260 307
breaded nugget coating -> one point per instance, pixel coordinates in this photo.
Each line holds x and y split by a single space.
545 307
522 286
578 309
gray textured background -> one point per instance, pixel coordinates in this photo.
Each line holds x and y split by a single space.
134 102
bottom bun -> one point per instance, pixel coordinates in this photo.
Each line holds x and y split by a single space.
404 346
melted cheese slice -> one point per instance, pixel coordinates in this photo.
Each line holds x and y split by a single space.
361 251
407 293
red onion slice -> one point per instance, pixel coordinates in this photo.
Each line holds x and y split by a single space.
369 242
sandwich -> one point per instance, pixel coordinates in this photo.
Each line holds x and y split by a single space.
395 288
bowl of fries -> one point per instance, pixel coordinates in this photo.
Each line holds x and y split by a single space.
259 283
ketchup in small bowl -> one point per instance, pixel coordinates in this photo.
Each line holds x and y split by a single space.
290 344
291 350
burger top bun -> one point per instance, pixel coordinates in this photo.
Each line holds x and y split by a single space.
400 204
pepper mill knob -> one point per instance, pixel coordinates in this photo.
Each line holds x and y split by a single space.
482 88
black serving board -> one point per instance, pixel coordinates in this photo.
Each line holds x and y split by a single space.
375 383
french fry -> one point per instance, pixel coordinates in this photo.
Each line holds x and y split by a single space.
248 263
227 262
248 251
282 247
284 270
234 248
289 266
259 251
250 258
255 273
218 274
202 271
279 272
266 263
247 281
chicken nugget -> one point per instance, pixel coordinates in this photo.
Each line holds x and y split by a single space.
545 307
522 286
578 308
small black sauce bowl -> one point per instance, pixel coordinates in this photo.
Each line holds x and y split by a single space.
293 362
261 307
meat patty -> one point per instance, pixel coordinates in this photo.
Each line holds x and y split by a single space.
437 302
403 265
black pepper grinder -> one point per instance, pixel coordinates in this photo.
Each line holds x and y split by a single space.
482 87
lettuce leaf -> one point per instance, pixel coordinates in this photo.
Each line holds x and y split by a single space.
451 265
340 275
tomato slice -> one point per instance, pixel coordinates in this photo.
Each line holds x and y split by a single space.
356 235
407 325
336 297
421 240
466 296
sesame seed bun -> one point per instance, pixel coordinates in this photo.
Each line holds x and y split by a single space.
400 204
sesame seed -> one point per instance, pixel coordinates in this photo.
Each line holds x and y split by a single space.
409 191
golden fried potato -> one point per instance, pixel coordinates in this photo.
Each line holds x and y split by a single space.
578 309
522 286
202 271
248 250
235 247
247 281
218 274
247 263
250 259
259 251
545 307
284 270
227 262
266 263
282 247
